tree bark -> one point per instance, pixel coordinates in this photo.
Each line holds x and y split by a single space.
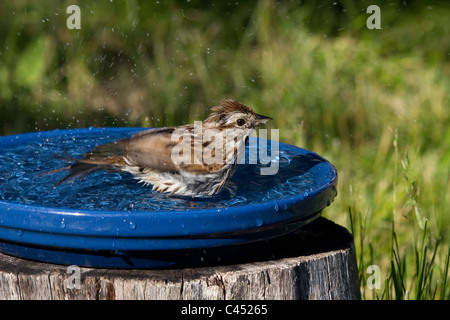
317 262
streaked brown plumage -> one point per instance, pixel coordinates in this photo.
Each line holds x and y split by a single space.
151 155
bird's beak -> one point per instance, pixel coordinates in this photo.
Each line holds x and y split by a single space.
260 120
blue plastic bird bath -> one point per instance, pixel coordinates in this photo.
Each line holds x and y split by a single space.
110 221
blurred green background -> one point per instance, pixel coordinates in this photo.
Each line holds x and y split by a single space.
374 102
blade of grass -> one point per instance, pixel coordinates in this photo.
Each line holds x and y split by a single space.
444 278
398 271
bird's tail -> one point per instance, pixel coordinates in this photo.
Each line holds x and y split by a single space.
98 159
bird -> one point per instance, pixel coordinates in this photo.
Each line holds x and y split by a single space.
189 160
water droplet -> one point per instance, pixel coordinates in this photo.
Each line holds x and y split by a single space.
132 225
259 222
19 232
63 223
183 226
276 208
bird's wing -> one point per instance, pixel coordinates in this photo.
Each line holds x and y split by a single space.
159 143
150 149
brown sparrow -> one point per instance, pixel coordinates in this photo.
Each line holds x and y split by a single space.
189 160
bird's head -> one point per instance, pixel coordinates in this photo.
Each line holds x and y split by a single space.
234 115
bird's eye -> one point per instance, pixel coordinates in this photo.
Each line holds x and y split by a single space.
240 122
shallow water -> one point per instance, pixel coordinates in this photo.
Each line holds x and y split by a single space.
22 165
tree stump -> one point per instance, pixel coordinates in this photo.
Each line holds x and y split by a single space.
318 262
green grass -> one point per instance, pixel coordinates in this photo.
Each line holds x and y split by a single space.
374 102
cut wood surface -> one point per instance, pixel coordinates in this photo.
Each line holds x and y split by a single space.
318 262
